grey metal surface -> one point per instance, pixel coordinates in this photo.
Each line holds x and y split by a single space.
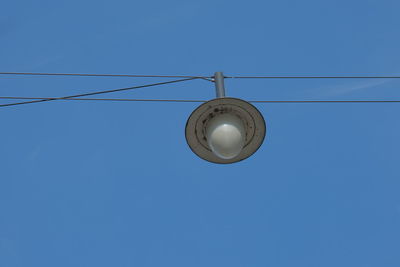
196 126
219 84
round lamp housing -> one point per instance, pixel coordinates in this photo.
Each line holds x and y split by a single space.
225 130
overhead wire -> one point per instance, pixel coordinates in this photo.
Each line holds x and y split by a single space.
198 101
95 93
186 78
103 75
312 77
194 76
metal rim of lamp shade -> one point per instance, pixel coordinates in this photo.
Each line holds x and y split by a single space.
251 118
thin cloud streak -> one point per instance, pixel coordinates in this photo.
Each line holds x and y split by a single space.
343 89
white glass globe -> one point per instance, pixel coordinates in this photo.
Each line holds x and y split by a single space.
226 135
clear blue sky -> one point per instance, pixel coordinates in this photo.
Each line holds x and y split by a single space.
115 184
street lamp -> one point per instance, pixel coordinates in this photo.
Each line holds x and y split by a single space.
225 130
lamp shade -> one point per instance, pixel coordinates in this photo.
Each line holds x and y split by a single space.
225 130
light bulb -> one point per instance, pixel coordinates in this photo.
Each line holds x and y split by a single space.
226 135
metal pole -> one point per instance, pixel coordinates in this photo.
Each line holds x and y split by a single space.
219 84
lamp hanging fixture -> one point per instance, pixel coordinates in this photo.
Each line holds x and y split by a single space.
225 129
